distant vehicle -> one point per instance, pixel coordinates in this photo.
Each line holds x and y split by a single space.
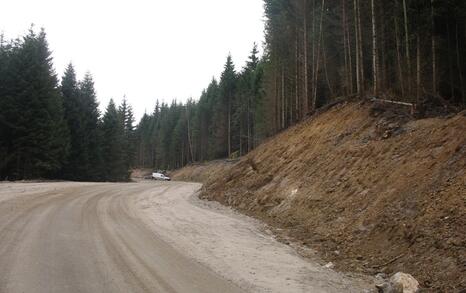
160 176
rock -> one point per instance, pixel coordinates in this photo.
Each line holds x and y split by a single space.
399 283
330 265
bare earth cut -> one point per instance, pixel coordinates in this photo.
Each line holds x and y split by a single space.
143 237
370 188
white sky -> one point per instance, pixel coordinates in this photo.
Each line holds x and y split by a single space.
144 49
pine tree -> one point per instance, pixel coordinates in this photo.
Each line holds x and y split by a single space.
90 119
227 87
127 119
112 145
34 115
73 168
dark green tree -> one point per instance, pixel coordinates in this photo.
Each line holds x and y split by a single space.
113 145
32 111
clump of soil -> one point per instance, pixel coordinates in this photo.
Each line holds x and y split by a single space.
370 188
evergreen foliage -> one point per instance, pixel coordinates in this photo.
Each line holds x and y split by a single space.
52 131
34 137
113 145
314 52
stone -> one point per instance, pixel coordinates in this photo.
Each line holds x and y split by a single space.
400 283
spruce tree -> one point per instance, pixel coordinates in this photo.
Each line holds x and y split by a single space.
125 112
228 86
34 112
90 119
113 145
74 167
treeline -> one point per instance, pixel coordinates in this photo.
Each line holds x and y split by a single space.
406 50
52 130
227 121
315 52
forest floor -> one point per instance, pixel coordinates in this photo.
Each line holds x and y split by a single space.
367 186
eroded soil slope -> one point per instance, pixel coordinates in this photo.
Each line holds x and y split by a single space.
371 189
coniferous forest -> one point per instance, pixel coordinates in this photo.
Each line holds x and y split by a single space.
315 52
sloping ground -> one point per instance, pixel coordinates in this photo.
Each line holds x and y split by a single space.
369 188
202 172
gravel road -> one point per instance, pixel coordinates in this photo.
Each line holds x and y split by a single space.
142 237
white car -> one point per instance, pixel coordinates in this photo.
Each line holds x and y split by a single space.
160 176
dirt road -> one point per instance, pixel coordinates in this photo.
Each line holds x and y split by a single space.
82 237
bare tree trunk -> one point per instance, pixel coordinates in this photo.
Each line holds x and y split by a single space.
361 52
398 57
229 127
189 135
458 63
319 45
348 40
382 61
305 67
374 50
313 65
450 66
418 68
358 63
326 71
297 114
345 48
248 121
434 53
283 99
408 58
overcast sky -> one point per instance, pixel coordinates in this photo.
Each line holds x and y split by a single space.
144 49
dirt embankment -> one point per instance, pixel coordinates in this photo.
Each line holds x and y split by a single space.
202 172
371 189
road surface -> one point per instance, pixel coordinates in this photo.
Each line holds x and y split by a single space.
84 237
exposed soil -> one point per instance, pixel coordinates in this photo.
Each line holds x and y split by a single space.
367 186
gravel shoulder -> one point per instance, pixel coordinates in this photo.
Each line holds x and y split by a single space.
235 246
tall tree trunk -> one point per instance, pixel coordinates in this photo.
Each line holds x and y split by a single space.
398 57
408 57
450 65
434 53
313 65
190 145
297 114
358 63
458 63
277 97
418 68
382 42
348 40
249 123
361 52
325 69
305 67
319 47
345 49
283 99
229 127
375 67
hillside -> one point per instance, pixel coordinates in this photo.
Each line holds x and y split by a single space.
366 185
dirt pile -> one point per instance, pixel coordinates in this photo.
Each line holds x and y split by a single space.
370 188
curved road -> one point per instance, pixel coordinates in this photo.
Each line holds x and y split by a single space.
87 238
